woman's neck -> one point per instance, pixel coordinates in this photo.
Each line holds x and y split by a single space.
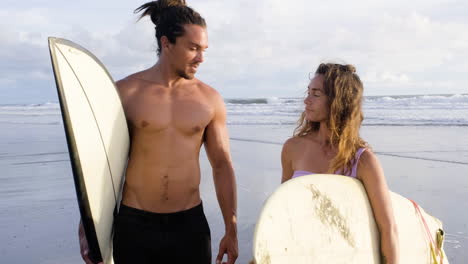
323 135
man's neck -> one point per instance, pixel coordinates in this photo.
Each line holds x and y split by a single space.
162 72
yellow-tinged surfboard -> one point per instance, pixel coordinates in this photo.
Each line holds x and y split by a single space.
328 219
97 137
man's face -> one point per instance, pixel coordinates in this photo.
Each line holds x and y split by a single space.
187 53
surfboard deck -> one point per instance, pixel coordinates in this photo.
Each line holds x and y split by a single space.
328 219
97 138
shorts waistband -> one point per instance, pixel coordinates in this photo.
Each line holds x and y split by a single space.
128 210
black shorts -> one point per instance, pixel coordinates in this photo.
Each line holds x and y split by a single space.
146 237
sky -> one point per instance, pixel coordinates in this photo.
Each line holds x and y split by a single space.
262 48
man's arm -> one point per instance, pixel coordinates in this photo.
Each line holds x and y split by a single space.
84 248
126 91
217 149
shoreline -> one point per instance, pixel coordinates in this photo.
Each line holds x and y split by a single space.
39 215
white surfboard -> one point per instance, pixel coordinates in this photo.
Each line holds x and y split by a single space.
97 137
328 219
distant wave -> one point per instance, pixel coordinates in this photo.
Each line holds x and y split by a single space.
243 101
47 105
39 162
261 122
30 123
418 99
247 101
417 110
8 156
441 98
44 109
392 154
401 124
407 110
30 113
417 124
396 99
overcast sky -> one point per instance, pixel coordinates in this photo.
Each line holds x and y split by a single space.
262 48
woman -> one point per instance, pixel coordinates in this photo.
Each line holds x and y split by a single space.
327 141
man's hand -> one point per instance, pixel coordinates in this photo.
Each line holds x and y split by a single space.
228 245
84 249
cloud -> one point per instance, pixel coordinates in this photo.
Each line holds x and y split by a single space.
386 77
281 44
259 48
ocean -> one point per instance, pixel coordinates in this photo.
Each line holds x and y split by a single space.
421 142
417 110
407 110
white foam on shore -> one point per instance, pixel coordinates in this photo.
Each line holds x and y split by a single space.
423 110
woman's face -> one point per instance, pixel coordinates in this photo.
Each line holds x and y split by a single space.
316 102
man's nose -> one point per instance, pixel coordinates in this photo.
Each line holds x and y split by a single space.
200 57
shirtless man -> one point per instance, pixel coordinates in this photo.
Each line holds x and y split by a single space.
170 115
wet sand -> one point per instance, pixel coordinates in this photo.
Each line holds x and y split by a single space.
39 213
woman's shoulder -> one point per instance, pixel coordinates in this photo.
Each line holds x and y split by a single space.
368 162
367 155
295 141
296 145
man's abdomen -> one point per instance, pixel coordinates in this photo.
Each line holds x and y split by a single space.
163 189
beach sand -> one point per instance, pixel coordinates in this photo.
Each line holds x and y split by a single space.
39 213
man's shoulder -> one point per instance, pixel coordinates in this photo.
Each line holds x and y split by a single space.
128 85
205 88
128 81
210 92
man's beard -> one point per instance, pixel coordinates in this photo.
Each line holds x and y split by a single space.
185 75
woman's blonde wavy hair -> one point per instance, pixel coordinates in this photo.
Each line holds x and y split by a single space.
344 90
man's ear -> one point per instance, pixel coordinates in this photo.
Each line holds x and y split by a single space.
165 44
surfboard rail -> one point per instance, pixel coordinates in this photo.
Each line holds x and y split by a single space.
97 138
328 219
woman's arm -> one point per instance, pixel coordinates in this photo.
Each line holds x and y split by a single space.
286 161
371 174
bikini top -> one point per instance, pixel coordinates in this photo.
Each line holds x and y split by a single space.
353 173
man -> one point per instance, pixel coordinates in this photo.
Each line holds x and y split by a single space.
170 115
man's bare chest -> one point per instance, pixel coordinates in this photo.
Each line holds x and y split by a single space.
186 115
